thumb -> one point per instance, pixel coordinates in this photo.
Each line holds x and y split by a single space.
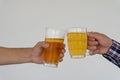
42 44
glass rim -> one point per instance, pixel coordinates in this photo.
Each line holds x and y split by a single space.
77 29
52 32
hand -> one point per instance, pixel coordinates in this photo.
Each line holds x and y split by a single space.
98 43
37 56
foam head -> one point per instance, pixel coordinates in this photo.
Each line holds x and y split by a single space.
54 33
77 29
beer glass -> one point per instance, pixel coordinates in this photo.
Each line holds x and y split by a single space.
55 38
77 42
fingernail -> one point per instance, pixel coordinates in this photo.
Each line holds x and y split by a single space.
46 45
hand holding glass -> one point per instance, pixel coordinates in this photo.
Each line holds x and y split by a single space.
55 38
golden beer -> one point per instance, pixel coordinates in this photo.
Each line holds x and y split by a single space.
52 53
54 36
77 44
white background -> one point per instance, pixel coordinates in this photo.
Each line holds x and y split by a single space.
23 22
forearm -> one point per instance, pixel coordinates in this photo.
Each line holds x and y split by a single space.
15 55
113 53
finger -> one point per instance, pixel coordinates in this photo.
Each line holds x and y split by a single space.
61 60
61 48
90 37
95 35
95 52
61 55
91 48
92 43
42 44
63 51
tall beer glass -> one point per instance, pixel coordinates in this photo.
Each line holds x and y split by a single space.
77 42
55 38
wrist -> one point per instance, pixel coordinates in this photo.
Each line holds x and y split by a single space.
30 55
110 42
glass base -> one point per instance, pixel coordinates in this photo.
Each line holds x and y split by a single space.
77 57
51 65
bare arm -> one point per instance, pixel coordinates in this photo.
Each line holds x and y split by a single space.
15 55
24 55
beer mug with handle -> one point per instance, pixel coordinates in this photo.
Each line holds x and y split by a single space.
77 42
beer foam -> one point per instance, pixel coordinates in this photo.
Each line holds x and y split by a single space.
54 33
77 29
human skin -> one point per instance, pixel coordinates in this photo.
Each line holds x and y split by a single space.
98 43
25 55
